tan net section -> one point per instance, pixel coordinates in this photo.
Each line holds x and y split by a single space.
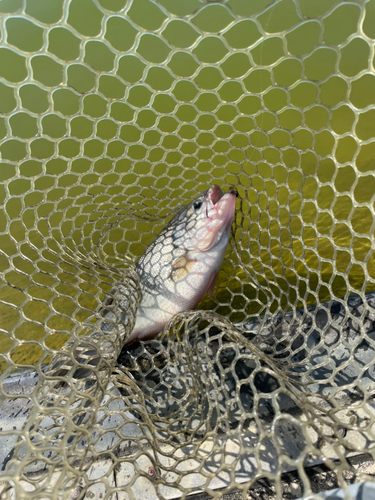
114 114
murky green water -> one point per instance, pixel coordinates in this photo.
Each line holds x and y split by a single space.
131 113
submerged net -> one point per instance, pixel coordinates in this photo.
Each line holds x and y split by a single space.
117 112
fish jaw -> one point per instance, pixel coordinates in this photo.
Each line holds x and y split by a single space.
218 218
192 272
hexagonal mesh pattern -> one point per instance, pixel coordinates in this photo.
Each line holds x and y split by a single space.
114 114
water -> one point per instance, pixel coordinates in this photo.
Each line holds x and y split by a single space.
118 124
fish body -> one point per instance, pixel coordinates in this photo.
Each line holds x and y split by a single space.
181 265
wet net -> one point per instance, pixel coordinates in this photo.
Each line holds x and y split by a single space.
115 113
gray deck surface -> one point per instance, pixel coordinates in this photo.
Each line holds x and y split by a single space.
14 413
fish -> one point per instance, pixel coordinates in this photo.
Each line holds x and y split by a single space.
182 264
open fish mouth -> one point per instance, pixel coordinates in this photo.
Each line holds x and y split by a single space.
218 215
223 205
217 200
215 194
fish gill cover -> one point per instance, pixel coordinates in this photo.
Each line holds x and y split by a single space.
115 113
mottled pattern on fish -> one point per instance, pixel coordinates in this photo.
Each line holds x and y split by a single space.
182 264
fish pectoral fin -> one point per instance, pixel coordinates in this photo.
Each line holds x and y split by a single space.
181 267
180 262
212 283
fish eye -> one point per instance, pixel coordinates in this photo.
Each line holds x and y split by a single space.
197 205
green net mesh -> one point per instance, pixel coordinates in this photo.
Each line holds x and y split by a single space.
114 114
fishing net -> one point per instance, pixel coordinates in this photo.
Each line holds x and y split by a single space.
114 114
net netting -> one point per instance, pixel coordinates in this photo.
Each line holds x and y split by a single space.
115 113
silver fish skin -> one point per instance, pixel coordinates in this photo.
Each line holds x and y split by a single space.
183 262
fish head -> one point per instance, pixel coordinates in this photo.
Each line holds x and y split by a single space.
206 221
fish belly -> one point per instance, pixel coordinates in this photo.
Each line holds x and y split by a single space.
156 309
